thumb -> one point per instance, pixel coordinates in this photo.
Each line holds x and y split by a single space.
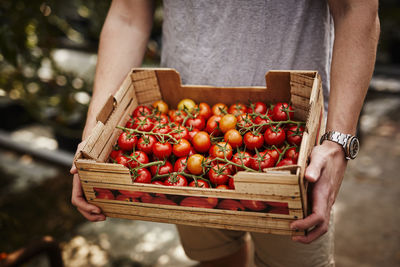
314 169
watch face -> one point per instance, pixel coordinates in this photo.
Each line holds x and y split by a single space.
354 147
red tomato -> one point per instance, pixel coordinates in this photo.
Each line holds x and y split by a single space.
253 141
231 183
179 132
242 158
221 150
126 198
141 111
294 135
219 109
197 122
161 118
192 151
258 107
195 164
103 194
212 126
131 194
146 143
123 160
142 176
237 109
161 170
274 135
281 110
137 158
222 186
227 123
275 153
182 148
254 205
263 122
161 129
244 121
146 198
157 182
196 202
219 174
230 204
192 133
262 161
204 110
285 161
177 116
180 165
176 180
201 142
115 153
142 123
127 141
234 138
200 183
292 153
162 150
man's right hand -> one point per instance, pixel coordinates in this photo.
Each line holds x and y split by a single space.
89 211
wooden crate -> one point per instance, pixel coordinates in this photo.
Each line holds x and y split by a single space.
283 187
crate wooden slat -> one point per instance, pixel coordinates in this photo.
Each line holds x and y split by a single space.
283 185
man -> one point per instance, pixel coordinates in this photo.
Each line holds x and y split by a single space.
233 43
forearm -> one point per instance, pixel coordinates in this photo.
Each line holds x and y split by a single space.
122 46
356 38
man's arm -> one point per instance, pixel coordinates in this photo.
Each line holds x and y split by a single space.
122 46
356 37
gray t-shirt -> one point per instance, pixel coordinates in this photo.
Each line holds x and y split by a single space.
235 42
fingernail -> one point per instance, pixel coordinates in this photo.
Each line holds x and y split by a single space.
95 211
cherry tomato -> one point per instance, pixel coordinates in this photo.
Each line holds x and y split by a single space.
115 153
162 201
261 161
186 104
219 109
146 198
162 150
292 153
279 113
274 135
137 158
160 106
192 133
126 198
142 123
254 205
230 204
182 148
204 110
244 121
180 165
196 202
131 194
242 158
234 138
142 176
219 174
212 126
201 142
105 194
253 141
195 164
231 183
197 122
179 132
221 150
227 123
285 161
141 111
176 180
200 183
127 141
258 108
146 143
158 182
237 109
161 169
161 129
177 116
122 160
160 118
275 153
262 120
222 186
294 135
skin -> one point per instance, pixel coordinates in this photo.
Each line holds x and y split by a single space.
356 37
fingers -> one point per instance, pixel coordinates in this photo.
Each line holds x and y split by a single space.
314 169
89 211
312 235
73 169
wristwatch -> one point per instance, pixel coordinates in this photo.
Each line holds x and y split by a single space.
350 143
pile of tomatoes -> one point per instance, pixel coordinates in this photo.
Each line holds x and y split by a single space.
204 146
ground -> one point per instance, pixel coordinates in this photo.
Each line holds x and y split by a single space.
35 201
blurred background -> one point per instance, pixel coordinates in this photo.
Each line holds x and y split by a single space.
47 63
